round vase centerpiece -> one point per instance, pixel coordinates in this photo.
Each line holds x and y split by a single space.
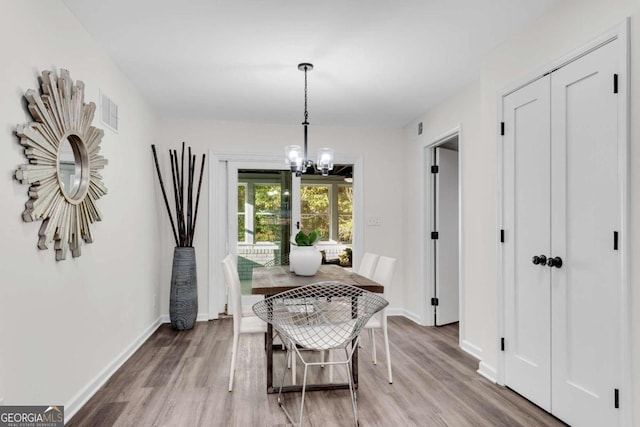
305 259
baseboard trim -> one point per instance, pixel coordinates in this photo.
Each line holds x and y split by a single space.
83 396
405 313
487 371
472 349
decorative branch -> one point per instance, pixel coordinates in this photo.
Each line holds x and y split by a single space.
176 196
195 216
186 214
164 193
189 194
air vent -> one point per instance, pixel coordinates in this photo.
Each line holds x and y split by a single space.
108 112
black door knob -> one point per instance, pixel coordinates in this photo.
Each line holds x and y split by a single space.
554 262
542 260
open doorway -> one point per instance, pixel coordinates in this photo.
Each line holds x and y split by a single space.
443 233
268 202
258 206
445 212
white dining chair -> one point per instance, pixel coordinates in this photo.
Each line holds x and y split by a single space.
382 274
368 264
242 324
367 267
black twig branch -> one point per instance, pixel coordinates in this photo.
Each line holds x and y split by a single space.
185 212
164 193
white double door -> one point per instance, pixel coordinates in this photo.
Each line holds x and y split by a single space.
561 200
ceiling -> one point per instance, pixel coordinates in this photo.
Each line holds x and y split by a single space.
378 63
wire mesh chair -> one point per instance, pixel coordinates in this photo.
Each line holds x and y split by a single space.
320 316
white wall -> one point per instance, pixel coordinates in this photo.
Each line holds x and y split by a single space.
62 323
383 170
565 28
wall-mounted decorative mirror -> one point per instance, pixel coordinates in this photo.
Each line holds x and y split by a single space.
62 148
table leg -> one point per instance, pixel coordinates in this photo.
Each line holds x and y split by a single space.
269 357
354 364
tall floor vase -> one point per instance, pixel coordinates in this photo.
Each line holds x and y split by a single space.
183 302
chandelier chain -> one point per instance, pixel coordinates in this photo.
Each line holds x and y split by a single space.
306 113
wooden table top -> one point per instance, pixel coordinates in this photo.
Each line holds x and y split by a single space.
273 280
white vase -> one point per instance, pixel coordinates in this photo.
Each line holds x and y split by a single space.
305 260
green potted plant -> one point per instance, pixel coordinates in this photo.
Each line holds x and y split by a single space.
305 259
302 239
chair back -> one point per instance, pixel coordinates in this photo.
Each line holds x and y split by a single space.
320 316
233 285
384 271
368 264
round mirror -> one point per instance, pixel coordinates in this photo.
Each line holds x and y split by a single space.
73 168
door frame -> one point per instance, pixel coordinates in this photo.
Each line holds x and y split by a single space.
218 213
621 33
427 252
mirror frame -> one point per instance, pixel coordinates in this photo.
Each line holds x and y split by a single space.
59 112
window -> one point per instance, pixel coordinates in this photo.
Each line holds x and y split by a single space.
267 212
315 209
259 213
242 201
327 206
345 213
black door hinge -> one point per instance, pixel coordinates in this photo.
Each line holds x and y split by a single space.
434 301
420 128
434 235
501 344
435 169
501 236
615 240
616 398
615 83
501 128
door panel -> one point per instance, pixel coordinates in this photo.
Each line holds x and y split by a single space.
275 219
526 218
446 215
585 200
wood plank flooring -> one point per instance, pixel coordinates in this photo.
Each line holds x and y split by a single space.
181 379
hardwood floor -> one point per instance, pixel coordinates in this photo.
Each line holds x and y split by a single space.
181 379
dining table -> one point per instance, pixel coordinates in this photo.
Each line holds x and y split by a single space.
269 281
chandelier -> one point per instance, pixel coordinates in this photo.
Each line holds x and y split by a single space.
295 155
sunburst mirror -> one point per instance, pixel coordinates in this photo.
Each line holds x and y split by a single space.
64 162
